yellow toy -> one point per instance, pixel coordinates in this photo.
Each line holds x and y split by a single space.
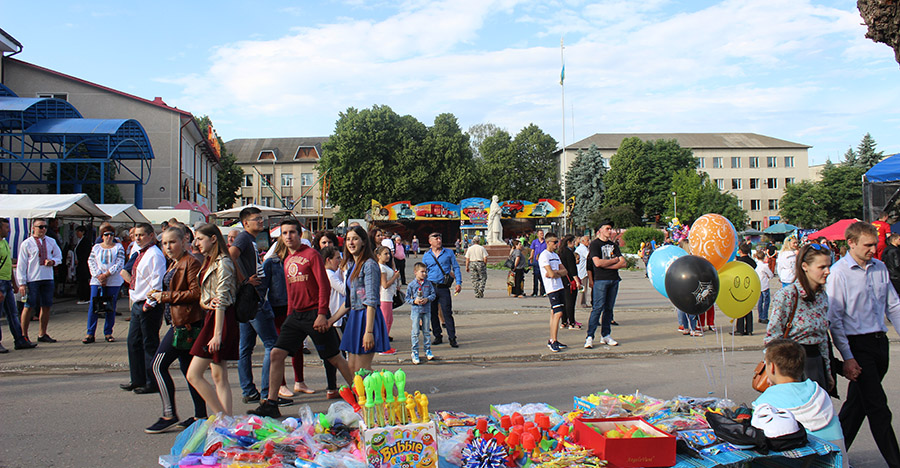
411 408
422 400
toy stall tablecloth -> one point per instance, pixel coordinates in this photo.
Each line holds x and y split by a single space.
817 453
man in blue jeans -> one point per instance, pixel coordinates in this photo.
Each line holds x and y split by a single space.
7 299
440 261
605 259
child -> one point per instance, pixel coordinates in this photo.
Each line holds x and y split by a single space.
419 295
388 288
765 275
806 400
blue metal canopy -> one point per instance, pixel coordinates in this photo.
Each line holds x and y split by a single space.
888 170
94 138
17 113
6 92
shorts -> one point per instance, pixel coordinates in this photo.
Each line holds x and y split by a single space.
297 326
40 293
557 301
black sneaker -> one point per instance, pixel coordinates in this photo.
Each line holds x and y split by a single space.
162 425
614 323
186 423
284 402
554 347
437 340
266 408
561 346
453 344
251 398
46 339
25 345
147 390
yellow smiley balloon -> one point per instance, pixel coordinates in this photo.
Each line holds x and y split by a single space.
738 289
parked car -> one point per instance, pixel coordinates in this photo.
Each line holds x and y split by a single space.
405 212
542 209
511 208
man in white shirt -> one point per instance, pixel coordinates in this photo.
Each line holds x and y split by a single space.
581 255
34 272
143 331
552 273
476 256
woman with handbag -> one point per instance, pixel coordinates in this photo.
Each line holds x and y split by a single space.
181 300
219 337
800 312
389 280
518 267
105 262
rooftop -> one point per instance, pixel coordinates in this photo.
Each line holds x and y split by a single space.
286 150
612 141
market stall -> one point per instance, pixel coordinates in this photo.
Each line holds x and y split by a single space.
123 213
22 208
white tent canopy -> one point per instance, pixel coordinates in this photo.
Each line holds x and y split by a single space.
235 212
123 213
29 206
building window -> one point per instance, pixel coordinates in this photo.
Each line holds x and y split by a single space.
701 163
266 179
754 161
266 155
327 203
287 180
754 184
772 182
63 96
788 180
736 162
717 163
788 161
741 204
265 201
248 181
720 184
771 161
754 205
306 202
756 224
246 200
288 203
735 184
306 179
773 204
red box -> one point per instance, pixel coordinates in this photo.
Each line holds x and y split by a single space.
626 453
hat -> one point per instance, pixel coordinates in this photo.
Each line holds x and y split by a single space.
605 222
774 422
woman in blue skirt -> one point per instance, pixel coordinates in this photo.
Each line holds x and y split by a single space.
365 331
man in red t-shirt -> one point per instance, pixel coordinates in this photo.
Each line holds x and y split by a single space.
308 291
884 229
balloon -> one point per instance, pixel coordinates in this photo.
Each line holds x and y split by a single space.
713 238
692 284
739 289
658 264
737 241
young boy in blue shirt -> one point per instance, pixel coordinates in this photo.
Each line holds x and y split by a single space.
419 295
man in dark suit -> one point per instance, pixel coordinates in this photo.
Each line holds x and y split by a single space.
82 271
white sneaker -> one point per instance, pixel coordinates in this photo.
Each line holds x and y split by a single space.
588 343
609 341
429 356
415 359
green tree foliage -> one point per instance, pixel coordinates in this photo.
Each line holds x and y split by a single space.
867 156
697 196
837 196
622 216
477 133
523 167
641 173
584 181
499 168
230 176
635 235
801 205
448 148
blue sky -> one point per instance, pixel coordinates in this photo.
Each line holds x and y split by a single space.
800 70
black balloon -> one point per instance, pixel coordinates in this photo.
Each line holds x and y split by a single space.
692 284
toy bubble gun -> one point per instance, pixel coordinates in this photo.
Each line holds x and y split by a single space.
378 389
347 395
370 401
400 381
411 408
388 378
422 400
244 441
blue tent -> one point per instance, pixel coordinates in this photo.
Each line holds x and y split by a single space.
881 188
888 170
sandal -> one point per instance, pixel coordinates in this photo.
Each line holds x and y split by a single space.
303 389
110 339
88 339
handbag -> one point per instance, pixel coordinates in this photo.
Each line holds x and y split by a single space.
398 299
246 303
447 280
760 382
184 337
509 263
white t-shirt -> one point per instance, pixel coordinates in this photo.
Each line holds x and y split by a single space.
389 244
387 295
336 299
764 273
550 258
581 254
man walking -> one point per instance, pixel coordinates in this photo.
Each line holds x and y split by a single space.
605 259
860 294
243 252
476 262
552 274
7 301
443 271
581 255
34 272
891 259
537 246
143 330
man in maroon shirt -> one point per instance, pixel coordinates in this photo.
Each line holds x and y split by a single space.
308 291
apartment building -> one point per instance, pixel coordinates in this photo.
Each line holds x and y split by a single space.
753 167
281 172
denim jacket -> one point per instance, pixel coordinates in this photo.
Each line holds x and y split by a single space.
365 290
412 292
272 286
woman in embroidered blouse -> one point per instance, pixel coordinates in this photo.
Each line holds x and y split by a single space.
106 260
809 327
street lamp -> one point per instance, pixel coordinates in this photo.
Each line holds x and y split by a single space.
675 198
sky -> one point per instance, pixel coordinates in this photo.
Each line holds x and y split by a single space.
800 70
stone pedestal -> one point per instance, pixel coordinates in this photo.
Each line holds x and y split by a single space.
498 253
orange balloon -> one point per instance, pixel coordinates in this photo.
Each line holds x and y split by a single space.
712 238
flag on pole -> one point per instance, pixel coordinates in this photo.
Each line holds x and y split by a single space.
562 75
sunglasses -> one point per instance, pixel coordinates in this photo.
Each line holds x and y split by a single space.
819 247
107 234
41 226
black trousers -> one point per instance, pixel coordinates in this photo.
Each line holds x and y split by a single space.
165 356
538 282
866 397
401 267
568 317
518 288
445 301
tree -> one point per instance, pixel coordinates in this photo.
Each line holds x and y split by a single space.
697 196
538 166
584 181
229 180
448 150
850 157
477 133
882 18
868 157
622 216
841 187
803 205
499 166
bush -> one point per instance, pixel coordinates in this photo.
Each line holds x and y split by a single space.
635 235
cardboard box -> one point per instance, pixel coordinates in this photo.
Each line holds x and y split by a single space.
626 453
410 445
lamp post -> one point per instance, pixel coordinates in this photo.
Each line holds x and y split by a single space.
675 198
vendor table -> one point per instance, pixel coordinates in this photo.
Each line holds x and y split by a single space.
818 453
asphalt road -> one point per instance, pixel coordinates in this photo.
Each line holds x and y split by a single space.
85 420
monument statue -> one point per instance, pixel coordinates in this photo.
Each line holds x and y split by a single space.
494 228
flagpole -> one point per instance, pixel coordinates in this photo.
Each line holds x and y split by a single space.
562 79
